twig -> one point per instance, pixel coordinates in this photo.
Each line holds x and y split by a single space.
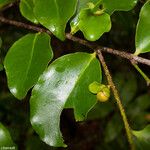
122 54
117 98
23 25
142 74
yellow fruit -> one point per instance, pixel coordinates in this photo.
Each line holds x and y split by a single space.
104 94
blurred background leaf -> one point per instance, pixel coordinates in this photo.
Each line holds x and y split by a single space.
142 138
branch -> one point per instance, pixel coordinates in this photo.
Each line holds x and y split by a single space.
142 74
91 45
23 25
117 98
129 56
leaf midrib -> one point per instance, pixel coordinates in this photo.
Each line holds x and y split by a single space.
55 1
80 75
30 60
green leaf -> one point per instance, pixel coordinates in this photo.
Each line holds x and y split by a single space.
5 138
82 4
93 26
118 5
5 2
143 30
25 61
26 9
142 138
54 14
63 84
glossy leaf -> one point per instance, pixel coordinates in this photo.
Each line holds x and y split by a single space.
143 30
118 5
5 138
54 14
93 26
82 4
5 2
63 84
25 61
26 9
142 138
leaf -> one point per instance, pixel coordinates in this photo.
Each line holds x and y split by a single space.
25 61
107 5
63 84
5 2
82 4
26 9
121 5
143 30
142 138
54 14
5 138
93 26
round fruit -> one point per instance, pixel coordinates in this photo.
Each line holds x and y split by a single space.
104 94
